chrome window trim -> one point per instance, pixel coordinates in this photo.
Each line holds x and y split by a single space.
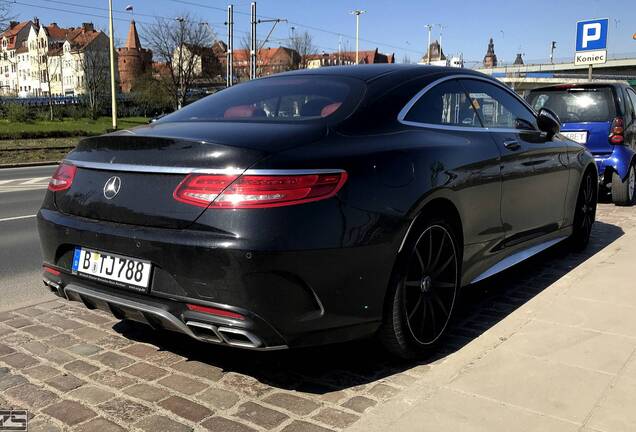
404 111
191 170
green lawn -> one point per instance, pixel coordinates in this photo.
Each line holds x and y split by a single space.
99 126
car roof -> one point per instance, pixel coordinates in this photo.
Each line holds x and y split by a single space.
374 71
594 84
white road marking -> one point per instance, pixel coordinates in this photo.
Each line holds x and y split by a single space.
22 184
17 218
35 180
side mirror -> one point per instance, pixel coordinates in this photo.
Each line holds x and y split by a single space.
548 122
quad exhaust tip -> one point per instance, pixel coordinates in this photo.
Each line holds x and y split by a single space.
230 336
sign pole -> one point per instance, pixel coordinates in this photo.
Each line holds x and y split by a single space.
589 72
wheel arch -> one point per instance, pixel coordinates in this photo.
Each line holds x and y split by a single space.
437 205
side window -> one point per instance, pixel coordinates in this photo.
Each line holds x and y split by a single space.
632 98
497 108
445 104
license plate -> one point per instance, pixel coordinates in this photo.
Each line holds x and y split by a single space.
116 269
579 137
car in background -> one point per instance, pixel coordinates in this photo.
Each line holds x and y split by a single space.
602 116
315 206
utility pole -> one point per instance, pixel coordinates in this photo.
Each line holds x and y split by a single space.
113 95
441 32
229 69
253 44
428 50
552 48
357 13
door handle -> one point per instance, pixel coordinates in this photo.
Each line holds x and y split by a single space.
511 144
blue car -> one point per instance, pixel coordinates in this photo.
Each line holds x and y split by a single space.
602 116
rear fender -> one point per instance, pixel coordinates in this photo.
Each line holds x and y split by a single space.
619 161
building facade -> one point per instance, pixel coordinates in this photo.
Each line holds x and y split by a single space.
268 61
42 60
348 58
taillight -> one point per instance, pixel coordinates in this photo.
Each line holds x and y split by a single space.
618 131
62 177
257 191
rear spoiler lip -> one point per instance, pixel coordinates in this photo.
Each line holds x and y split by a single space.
192 170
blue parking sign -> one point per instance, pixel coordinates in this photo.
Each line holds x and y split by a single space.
591 34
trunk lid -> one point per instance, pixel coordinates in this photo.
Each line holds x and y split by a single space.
597 135
150 162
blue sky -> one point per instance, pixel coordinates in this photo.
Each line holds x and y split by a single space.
393 26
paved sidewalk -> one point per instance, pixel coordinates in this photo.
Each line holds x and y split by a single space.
546 346
563 361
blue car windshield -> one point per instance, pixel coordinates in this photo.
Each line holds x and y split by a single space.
576 105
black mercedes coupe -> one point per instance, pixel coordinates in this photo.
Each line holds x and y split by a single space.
315 206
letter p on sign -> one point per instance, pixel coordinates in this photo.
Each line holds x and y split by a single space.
591 35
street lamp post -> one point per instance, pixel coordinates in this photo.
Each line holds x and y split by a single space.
113 96
429 27
357 13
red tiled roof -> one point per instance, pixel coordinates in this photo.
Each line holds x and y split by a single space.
83 39
264 55
11 34
55 32
366 57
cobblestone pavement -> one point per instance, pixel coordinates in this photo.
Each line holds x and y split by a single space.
82 370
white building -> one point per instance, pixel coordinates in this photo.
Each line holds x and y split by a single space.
38 60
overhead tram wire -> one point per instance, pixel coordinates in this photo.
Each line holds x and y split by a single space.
114 18
298 24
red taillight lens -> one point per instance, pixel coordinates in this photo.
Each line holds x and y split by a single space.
258 191
215 311
62 177
201 189
617 132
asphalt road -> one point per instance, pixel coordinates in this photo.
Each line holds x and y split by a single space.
21 193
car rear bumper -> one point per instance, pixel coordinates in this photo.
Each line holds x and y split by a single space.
618 161
287 299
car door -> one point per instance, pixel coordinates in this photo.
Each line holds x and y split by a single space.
534 168
630 130
456 146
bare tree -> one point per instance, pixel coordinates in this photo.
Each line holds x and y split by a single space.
44 76
94 68
303 44
181 45
6 14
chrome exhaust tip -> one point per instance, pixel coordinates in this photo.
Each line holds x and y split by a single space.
204 331
239 337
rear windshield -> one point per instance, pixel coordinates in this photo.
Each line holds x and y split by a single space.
576 105
277 99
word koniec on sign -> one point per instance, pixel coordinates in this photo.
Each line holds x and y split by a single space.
591 57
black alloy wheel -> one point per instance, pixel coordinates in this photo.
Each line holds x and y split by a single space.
585 213
425 292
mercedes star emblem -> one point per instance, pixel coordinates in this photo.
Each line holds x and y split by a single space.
111 188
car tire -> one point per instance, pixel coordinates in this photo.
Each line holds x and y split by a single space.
623 191
585 211
424 286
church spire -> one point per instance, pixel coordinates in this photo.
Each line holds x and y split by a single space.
132 42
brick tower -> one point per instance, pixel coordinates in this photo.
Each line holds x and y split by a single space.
132 60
